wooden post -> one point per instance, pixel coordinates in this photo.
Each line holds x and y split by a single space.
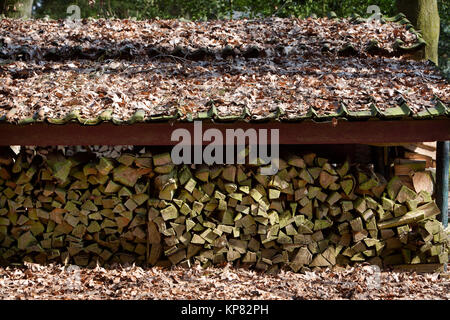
378 153
442 165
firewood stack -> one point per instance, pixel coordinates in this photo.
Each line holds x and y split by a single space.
141 208
424 151
416 168
79 211
310 214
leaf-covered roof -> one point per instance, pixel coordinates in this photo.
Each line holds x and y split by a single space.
253 70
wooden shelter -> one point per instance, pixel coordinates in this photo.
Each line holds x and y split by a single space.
319 81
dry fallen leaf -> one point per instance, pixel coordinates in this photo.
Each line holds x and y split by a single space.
48 282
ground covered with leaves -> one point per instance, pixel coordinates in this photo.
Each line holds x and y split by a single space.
33 281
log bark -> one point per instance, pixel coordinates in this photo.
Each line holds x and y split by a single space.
16 8
424 15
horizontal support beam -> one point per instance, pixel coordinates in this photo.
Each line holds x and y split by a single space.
308 132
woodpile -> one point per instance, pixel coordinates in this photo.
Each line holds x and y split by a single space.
412 173
411 169
69 208
141 208
424 151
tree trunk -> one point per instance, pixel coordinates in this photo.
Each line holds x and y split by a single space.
424 15
16 8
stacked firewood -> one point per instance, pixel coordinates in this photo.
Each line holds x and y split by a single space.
310 214
424 151
69 208
416 168
90 210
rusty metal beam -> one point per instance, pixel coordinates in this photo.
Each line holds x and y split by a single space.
344 132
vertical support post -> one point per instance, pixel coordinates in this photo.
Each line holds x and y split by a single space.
442 164
379 163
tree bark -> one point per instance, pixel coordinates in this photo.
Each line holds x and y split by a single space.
16 8
424 15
